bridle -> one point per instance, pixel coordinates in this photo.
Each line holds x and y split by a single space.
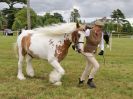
75 46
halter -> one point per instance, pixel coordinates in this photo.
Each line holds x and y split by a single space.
75 46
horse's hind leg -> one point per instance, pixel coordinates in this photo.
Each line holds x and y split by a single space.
20 63
57 73
29 68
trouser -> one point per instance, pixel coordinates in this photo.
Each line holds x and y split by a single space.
90 60
106 38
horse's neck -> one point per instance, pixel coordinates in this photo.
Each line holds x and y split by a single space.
67 40
62 49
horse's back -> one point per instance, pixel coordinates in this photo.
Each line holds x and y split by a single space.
37 44
23 34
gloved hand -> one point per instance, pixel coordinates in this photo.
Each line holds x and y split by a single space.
73 47
77 50
101 52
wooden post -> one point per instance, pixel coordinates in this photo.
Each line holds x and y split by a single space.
110 41
28 15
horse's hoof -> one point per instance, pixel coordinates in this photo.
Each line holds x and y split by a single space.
54 77
58 83
20 77
31 74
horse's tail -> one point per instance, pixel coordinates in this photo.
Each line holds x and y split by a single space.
15 46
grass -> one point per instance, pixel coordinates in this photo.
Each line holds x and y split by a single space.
114 80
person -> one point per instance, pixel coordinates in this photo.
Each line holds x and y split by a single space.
20 31
101 45
93 38
106 36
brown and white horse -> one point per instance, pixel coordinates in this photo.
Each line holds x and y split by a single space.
50 43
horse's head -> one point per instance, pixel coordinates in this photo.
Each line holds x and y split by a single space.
78 37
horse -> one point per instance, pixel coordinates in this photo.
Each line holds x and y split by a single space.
50 43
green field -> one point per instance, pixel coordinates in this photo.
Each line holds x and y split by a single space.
114 80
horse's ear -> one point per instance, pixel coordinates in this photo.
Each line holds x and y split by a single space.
77 24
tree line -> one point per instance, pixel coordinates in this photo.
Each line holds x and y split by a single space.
16 18
118 22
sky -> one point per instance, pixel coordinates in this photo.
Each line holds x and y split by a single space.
88 9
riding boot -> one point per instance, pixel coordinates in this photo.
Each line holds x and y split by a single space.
90 83
81 82
101 52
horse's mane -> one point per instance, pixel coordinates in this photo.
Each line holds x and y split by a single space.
56 29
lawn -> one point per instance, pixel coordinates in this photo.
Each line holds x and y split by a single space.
114 80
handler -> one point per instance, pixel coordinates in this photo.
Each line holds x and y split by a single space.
93 38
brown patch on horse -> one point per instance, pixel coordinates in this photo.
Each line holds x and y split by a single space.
75 36
25 43
62 50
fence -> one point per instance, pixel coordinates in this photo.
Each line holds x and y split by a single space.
122 35
114 34
14 33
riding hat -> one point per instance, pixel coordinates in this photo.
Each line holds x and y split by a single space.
99 23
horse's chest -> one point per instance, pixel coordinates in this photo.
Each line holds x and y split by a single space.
61 50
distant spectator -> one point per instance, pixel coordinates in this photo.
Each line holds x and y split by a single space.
106 38
8 32
20 31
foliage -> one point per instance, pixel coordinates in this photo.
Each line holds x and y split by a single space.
21 19
10 15
59 17
118 16
2 20
11 11
127 26
120 24
74 15
48 19
40 21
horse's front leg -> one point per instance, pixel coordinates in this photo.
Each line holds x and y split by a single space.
57 73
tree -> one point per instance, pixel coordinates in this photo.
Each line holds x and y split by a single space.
2 21
40 21
74 15
21 19
58 16
9 15
11 11
52 19
118 16
127 26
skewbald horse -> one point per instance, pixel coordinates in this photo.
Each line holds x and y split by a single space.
50 43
